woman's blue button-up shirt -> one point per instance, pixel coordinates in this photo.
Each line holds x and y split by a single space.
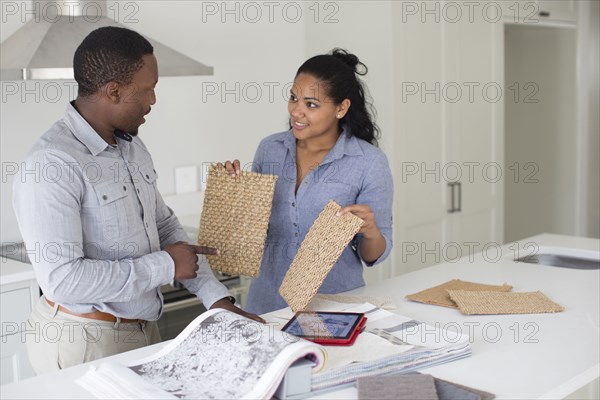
353 172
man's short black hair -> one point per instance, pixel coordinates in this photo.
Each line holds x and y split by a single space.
108 54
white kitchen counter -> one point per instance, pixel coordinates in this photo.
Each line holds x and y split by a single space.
12 271
514 356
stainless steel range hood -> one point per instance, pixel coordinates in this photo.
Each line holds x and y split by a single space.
44 47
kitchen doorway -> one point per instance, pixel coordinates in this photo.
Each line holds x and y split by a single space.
541 136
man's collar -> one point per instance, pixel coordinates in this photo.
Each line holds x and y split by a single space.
83 131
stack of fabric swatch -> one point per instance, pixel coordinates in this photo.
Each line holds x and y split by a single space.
478 298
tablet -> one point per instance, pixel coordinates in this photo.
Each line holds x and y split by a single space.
333 328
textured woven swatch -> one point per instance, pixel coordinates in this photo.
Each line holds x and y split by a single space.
235 218
479 302
394 387
399 387
438 295
323 245
453 391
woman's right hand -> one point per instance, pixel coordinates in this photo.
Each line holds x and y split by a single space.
233 168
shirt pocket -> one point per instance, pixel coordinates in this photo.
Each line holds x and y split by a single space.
148 189
112 204
342 193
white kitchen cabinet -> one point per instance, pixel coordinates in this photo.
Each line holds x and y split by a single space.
539 12
18 293
558 10
14 364
449 138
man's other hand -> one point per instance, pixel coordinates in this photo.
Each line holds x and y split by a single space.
228 305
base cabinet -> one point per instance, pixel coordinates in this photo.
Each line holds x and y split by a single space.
14 364
16 302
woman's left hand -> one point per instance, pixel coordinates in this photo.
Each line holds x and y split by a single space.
369 228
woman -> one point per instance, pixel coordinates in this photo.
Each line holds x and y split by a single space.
329 153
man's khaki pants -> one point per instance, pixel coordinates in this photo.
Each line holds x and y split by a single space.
57 340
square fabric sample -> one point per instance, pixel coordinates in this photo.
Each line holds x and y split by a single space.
453 391
235 218
323 245
397 387
438 295
473 302
414 385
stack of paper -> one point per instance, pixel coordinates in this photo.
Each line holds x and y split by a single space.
391 344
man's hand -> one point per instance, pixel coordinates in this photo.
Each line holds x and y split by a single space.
185 256
228 305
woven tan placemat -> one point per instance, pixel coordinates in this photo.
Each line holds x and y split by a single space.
485 302
323 245
235 218
438 295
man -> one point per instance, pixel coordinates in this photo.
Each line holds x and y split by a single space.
100 237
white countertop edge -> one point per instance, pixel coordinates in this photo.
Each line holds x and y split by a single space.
12 271
573 384
17 277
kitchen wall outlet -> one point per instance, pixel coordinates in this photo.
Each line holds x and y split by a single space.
186 179
204 176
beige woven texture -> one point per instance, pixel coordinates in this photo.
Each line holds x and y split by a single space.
235 218
438 295
323 245
484 302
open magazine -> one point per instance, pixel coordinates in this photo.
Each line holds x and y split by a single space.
220 355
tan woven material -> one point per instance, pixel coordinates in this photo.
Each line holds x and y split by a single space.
438 295
323 245
235 218
484 302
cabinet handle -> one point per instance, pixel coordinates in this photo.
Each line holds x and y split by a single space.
452 205
459 209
